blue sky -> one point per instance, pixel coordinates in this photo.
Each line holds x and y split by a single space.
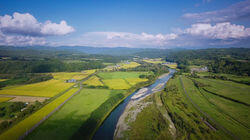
125 23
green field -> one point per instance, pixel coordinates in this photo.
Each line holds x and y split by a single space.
19 129
240 92
65 122
121 80
153 123
228 114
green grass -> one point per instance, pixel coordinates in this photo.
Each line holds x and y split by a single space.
65 122
121 80
186 118
19 129
213 110
240 92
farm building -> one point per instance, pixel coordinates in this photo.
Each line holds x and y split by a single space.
71 81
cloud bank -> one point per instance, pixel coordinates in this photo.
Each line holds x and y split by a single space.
24 29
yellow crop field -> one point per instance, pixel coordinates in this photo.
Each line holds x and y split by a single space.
72 75
1 80
133 81
116 83
4 99
129 65
154 61
19 129
93 81
173 66
48 88
44 89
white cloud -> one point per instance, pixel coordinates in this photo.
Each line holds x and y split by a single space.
218 31
19 40
238 11
125 39
26 24
24 29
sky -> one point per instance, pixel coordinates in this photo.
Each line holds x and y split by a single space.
126 23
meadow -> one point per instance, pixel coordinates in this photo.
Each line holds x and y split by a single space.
73 114
23 126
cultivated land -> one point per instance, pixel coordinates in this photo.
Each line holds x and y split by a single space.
28 123
154 61
227 114
73 114
93 81
4 99
121 80
169 115
48 88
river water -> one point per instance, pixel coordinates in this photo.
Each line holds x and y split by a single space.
107 129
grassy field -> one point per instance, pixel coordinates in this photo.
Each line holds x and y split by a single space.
65 122
4 99
231 77
19 129
93 81
48 88
153 123
121 80
231 115
240 92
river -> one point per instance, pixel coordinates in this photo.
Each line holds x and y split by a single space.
107 129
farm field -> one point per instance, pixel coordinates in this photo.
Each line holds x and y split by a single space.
129 65
4 99
1 80
228 114
19 129
73 114
121 80
236 91
172 65
154 61
93 81
48 88
153 123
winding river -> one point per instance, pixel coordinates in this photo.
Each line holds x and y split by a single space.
107 129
